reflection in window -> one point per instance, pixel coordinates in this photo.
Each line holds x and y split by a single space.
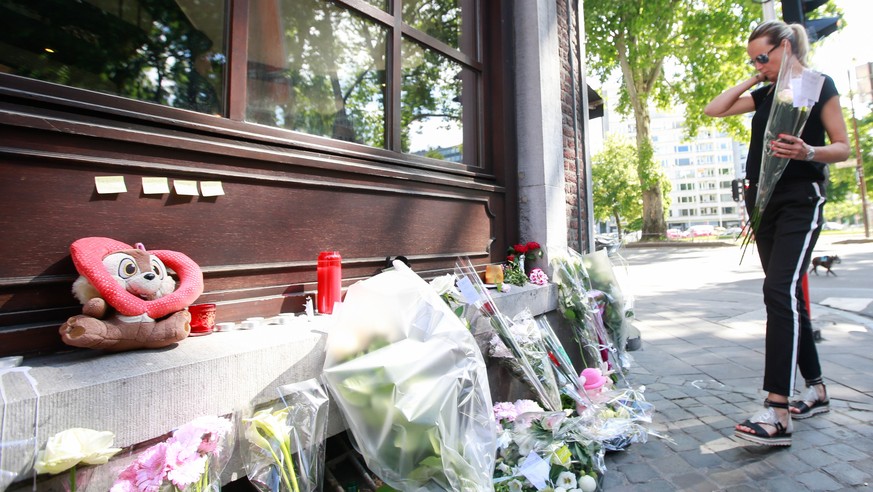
170 52
431 103
318 69
438 18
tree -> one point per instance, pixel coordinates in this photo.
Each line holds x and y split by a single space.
843 187
616 195
668 52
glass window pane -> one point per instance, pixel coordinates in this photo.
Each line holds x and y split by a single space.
438 18
316 68
379 4
163 51
432 122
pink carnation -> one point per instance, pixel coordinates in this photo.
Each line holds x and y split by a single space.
525 406
538 277
505 411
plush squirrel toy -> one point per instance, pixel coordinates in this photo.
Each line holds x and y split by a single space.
129 299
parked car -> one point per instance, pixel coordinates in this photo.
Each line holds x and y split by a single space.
676 234
833 226
701 230
733 231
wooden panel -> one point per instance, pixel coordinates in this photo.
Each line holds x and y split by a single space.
257 244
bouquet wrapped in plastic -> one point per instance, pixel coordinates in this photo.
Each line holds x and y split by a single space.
283 444
191 460
796 90
590 299
544 451
529 356
412 385
526 355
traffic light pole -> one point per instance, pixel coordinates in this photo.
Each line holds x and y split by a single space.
769 10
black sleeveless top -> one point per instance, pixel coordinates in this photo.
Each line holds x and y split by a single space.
813 134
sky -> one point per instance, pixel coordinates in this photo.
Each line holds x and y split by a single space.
839 53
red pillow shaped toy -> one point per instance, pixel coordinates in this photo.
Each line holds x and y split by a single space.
129 299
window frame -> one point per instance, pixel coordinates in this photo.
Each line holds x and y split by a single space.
232 123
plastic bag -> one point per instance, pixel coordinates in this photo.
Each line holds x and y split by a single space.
193 458
283 443
412 385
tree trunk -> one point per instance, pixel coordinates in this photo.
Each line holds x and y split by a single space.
618 224
638 87
654 225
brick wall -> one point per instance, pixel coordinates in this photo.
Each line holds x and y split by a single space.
568 52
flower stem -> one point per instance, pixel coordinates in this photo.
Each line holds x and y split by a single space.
290 464
281 468
73 479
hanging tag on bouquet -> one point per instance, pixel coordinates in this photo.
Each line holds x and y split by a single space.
806 88
471 295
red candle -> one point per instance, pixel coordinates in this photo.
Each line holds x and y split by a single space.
202 319
329 280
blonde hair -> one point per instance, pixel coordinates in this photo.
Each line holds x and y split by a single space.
775 31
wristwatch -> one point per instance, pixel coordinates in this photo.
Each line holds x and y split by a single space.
810 152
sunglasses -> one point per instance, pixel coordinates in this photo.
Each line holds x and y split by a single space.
763 58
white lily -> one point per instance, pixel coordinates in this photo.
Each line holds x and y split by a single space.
268 431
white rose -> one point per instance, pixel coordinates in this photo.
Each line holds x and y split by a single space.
587 483
443 284
67 449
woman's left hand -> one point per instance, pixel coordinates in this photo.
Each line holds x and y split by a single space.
789 147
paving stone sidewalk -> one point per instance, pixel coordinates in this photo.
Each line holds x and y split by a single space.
703 374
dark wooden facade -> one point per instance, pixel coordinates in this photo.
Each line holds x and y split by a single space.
287 197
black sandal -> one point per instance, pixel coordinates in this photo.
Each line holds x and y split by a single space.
759 435
818 406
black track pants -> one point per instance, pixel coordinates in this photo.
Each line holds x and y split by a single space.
785 239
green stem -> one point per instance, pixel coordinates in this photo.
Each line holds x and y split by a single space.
290 464
204 479
73 479
281 468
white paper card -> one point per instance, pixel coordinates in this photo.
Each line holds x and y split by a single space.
185 187
211 188
110 184
471 296
536 470
806 89
155 186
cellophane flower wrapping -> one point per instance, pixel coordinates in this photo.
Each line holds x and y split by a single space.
525 356
565 373
619 417
796 90
532 357
583 307
282 444
191 460
412 385
615 314
544 451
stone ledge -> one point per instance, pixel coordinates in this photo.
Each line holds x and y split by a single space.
142 395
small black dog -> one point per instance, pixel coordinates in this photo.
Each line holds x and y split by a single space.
826 262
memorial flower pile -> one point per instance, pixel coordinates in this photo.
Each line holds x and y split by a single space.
543 451
411 383
516 256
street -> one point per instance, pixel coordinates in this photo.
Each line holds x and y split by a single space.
659 275
701 317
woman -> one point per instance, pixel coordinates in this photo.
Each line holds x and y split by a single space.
789 227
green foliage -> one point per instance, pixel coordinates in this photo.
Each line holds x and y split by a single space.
670 53
843 188
616 193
